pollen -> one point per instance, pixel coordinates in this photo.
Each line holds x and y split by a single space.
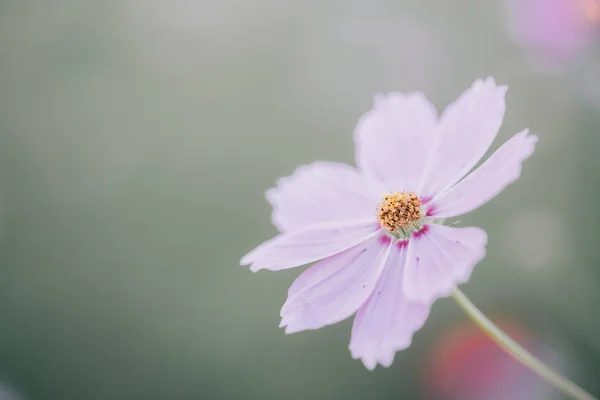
399 210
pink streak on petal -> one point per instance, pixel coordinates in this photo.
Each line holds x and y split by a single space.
334 288
384 240
556 29
394 138
468 128
499 171
421 232
323 191
430 211
309 244
441 259
400 244
387 321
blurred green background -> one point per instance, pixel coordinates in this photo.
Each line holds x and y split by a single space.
137 138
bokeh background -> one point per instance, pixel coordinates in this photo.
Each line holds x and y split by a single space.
137 138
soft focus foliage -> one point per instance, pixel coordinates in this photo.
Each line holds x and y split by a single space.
137 138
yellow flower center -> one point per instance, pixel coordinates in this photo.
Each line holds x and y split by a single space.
399 210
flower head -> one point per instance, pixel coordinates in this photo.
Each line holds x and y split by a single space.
374 231
555 30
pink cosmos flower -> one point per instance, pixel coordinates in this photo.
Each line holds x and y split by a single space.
554 29
375 231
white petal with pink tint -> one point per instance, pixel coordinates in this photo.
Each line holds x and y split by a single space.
309 244
387 321
439 258
468 128
334 288
394 138
499 171
323 191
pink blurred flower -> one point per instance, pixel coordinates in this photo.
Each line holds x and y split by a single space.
388 258
465 364
555 30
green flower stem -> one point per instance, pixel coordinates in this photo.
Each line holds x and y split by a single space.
517 351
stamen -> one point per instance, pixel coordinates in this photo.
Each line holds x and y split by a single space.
399 210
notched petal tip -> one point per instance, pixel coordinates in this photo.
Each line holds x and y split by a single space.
384 357
271 193
378 99
291 330
393 102
398 122
488 84
491 82
369 361
254 268
370 366
251 257
533 138
531 141
247 259
287 325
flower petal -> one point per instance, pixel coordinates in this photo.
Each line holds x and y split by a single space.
309 244
323 191
439 258
387 321
468 128
334 288
394 138
499 171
